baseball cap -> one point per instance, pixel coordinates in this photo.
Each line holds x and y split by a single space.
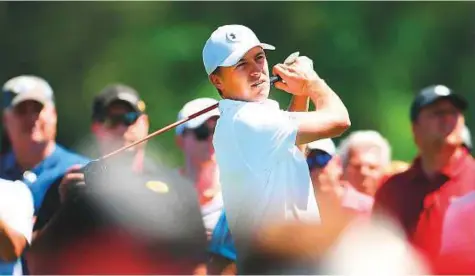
325 145
467 138
192 107
113 93
433 93
320 153
26 87
228 44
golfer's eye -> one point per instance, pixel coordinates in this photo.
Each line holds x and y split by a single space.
241 64
261 56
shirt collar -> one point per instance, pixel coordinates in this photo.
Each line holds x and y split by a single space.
453 168
225 104
11 164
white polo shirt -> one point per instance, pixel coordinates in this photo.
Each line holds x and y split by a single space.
264 176
16 211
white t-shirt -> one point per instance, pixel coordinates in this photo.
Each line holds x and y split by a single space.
16 211
264 176
211 211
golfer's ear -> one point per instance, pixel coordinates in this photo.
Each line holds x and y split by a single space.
216 81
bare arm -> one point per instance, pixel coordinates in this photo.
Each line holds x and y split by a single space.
300 104
331 117
12 243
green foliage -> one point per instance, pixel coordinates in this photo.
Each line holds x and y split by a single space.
376 55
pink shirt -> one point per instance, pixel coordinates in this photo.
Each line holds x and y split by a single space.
356 201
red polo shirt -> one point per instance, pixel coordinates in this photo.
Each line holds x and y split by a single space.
419 204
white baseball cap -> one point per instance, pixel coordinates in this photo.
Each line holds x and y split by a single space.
325 145
228 44
192 107
467 138
27 87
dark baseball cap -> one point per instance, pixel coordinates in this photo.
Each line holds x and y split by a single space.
116 93
431 94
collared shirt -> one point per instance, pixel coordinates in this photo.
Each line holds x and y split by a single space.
356 201
264 176
419 203
47 174
16 211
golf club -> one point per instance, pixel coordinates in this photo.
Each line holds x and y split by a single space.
289 60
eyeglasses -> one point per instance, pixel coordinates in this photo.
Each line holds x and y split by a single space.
318 159
201 133
126 119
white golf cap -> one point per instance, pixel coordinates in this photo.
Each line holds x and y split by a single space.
467 138
228 44
325 145
192 107
27 87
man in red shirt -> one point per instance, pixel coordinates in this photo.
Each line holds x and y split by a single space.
443 170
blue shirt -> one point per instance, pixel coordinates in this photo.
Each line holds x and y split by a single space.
221 241
42 176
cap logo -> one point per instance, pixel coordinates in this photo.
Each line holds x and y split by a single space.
233 37
141 106
441 90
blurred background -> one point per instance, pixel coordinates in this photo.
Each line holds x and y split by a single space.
375 55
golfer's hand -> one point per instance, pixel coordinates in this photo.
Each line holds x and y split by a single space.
297 78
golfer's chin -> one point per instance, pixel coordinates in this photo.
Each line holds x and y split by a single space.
260 92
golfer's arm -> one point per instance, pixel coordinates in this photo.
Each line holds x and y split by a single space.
329 120
300 104
12 243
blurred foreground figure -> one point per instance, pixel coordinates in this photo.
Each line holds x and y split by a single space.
124 222
334 196
16 225
457 253
443 170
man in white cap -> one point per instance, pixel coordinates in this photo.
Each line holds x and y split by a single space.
263 174
194 138
30 120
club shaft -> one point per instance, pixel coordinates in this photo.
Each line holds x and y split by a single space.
160 131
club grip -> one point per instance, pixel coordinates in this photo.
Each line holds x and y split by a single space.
275 79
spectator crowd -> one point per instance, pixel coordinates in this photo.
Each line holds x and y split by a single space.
135 215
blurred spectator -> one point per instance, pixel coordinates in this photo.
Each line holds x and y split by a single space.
16 225
124 222
118 119
457 253
142 213
35 158
364 154
467 138
194 138
334 197
443 170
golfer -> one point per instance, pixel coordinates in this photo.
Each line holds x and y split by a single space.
264 176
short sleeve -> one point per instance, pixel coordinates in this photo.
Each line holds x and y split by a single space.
264 133
19 215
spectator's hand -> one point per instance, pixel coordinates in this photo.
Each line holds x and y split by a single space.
73 176
298 77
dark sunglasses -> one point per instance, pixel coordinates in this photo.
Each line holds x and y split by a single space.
318 159
126 119
201 133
